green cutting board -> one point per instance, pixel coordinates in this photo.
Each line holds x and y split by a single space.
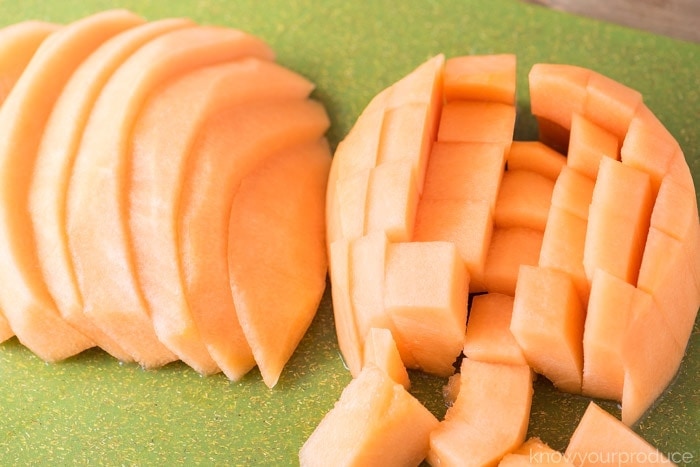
93 410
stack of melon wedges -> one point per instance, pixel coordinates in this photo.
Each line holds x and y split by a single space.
162 191
576 257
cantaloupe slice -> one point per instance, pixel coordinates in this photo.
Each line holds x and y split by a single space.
477 122
380 350
547 322
56 154
488 338
573 192
675 210
427 282
523 200
375 422
601 439
610 104
488 419
159 166
588 143
18 43
98 190
24 298
279 205
535 156
488 78
509 249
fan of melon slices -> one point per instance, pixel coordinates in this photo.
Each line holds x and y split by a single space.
162 194
576 257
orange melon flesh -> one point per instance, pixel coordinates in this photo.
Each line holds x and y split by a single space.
374 422
535 156
488 419
547 322
350 193
601 439
534 452
203 227
55 158
610 104
467 224
509 249
428 282
675 209
488 338
618 221
18 43
588 143
573 192
679 171
523 200
488 78
25 299
159 165
423 85
477 122
98 190
279 206
380 350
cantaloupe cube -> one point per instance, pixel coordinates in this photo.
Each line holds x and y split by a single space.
509 249
534 452
573 192
488 420
618 221
535 156
610 104
392 200
588 143
488 337
426 288
380 350
477 122
359 149
421 86
467 224
523 200
480 78
547 322
601 439
679 171
375 422
675 209
351 194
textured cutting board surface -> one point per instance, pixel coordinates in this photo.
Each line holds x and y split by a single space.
91 409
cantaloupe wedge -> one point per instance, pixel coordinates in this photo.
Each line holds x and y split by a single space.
601 439
375 422
18 43
509 249
471 433
488 78
523 200
159 166
56 154
98 190
24 298
588 143
534 452
535 156
380 350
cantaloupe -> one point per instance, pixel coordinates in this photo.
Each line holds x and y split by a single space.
523 200
380 350
509 249
477 122
487 78
588 143
537 157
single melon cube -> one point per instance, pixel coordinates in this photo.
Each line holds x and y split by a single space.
509 249
488 337
477 122
380 350
573 192
534 452
523 200
469 225
423 85
351 192
610 104
426 288
547 322
489 418
675 209
601 439
375 422
535 156
480 78
557 91
392 200
588 143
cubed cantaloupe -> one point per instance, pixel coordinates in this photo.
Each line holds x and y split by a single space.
588 143
488 78
573 192
535 156
477 122
610 104
523 200
380 350
509 249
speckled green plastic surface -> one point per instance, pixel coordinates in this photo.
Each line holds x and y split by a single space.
92 410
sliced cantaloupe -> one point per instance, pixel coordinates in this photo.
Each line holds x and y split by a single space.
18 43
423 85
523 200
380 350
488 419
601 439
535 156
610 104
488 78
488 338
534 452
477 122
509 249
618 221
374 422
675 210
159 166
278 286
56 154
98 190
24 298
547 322
588 143
573 192
427 282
